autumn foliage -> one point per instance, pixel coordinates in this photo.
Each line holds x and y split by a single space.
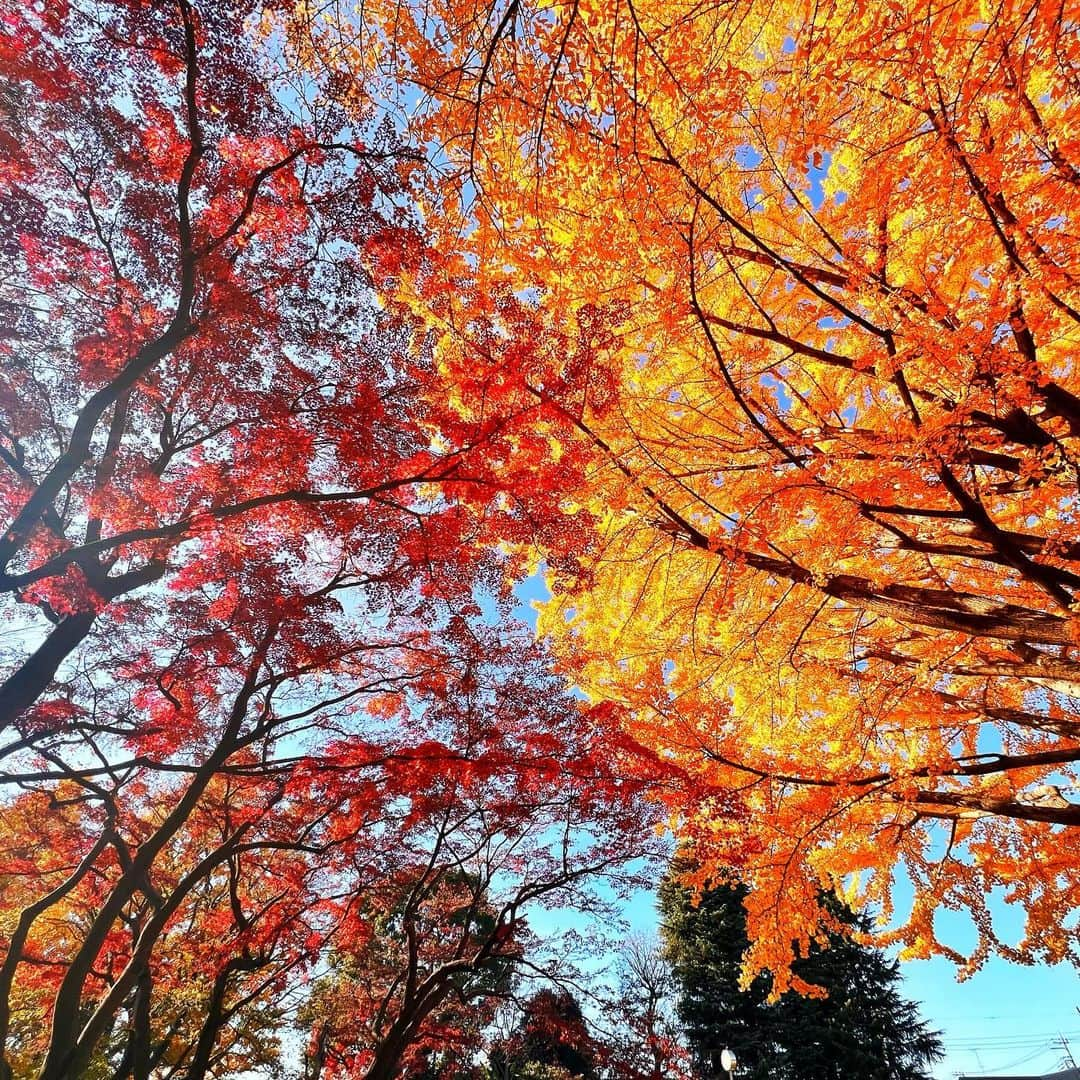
259 679
753 324
792 291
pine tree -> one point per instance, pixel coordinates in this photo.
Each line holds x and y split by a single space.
864 1028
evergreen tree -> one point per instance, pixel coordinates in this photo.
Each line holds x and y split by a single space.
865 1028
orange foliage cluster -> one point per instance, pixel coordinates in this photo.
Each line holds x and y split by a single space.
755 324
794 292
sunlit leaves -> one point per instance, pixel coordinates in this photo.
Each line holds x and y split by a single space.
822 460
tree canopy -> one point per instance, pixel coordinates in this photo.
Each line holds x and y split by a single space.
790 292
260 685
551 1041
753 325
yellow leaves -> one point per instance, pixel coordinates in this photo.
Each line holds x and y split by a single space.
846 250
920 949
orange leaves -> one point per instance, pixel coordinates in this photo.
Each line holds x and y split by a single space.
757 328
824 443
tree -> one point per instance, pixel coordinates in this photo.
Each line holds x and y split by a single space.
862 1026
436 931
174 414
550 1041
643 1040
245 666
423 922
792 291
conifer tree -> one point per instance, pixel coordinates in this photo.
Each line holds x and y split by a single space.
864 1027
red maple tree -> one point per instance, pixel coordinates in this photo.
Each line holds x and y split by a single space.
243 555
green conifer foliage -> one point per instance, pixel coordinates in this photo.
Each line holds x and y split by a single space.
863 1029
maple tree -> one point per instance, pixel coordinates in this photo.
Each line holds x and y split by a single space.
246 666
629 1033
232 922
425 918
550 1041
437 930
791 290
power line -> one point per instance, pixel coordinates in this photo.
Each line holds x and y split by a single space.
1064 1043
1009 1041
1001 1070
1025 1059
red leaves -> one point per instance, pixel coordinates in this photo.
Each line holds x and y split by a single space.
103 356
225 605
162 142
391 252
65 595
258 558
52 714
